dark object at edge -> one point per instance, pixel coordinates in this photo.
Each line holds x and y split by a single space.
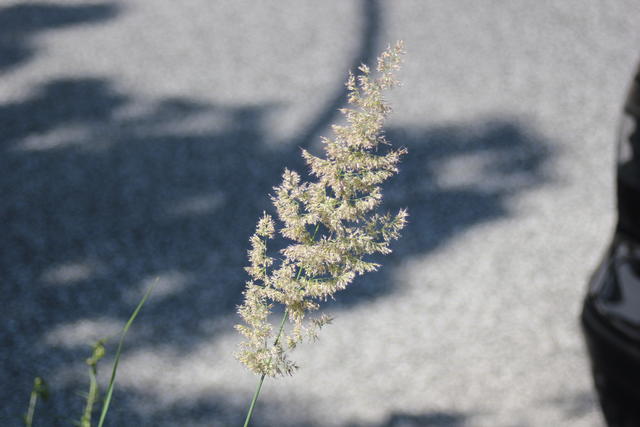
611 311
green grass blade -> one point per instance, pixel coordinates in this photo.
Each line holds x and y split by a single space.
85 421
33 400
39 390
112 381
28 418
92 395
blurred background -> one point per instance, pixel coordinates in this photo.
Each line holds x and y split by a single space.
141 140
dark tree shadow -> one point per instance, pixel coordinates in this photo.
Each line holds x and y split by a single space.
217 410
365 54
94 205
454 178
20 25
432 419
96 201
133 409
575 405
438 419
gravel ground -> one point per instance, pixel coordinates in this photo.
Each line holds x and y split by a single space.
140 140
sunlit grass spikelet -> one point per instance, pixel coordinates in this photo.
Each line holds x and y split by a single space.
331 221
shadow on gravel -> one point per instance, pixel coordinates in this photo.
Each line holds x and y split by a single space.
575 405
132 409
96 203
99 199
454 178
365 54
21 24
433 419
100 196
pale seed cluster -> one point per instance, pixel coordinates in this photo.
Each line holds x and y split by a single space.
331 222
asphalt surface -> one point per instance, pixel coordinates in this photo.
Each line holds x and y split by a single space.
140 140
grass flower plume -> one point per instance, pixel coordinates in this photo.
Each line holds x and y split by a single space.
331 221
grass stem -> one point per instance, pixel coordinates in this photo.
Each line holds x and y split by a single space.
85 421
33 400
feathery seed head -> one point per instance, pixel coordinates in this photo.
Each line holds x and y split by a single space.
331 222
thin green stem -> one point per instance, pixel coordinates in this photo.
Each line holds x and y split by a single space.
91 398
39 390
277 340
28 419
254 400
